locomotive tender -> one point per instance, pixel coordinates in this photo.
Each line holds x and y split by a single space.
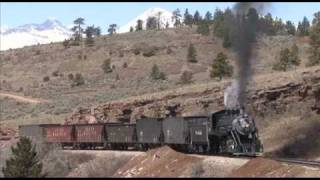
224 132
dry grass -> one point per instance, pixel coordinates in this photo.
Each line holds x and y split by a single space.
25 68
100 167
58 164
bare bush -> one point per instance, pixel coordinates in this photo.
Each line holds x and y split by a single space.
197 169
55 73
125 65
105 167
46 78
58 164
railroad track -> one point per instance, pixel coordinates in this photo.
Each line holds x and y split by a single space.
298 161
284 160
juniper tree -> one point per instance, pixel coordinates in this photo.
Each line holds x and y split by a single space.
203 28
192 54
156 74
24 161
186 77
106 66
78 80
294 55
221 67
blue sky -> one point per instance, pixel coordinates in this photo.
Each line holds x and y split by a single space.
103 14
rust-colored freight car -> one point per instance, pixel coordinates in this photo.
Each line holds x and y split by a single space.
59 134
89 133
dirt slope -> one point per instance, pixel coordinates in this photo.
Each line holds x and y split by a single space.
260 167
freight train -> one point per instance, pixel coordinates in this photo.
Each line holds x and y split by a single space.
231 132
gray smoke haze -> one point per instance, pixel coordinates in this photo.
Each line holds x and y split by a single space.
243 28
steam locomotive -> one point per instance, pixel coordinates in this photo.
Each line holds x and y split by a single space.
231 132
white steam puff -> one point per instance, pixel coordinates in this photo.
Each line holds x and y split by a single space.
231 96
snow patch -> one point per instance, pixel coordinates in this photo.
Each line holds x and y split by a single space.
166 16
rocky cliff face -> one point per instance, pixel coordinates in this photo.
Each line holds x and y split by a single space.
268 94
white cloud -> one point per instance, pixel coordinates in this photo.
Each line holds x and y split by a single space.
3 28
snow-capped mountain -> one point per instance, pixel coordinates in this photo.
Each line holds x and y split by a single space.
30 34
166 16
53 31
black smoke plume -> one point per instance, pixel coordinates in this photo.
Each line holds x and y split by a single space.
243 27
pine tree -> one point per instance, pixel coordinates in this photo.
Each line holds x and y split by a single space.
288 59
97 32
24 161
131 29
268 26
290 28
90 31
159 20
219 23
112 29
303 27
139 25
77 28
208 16
314 59
188 19
220 67
283 63
152 23
192 54
176 17
225 29
197 17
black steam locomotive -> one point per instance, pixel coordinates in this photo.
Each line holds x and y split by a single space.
224 132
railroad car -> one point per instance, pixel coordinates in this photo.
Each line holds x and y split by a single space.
89 136
59 134
120 135
149 132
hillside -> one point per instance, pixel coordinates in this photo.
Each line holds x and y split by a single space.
23 70
106 97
